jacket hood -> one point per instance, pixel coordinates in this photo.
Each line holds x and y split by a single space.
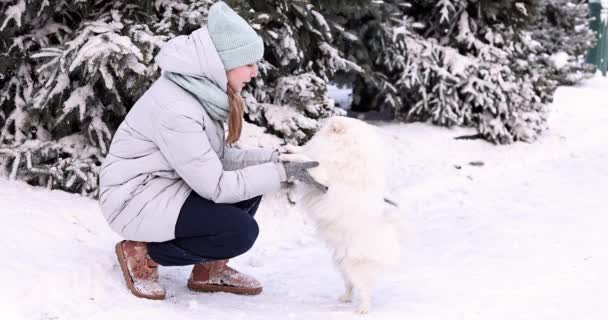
193 55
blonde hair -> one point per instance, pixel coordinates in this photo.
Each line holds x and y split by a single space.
235 118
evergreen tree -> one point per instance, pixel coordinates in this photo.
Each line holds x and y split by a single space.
79 66
465 62
561 39
366 31
290 93
73 69
485 90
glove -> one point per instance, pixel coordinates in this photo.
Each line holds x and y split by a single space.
297 171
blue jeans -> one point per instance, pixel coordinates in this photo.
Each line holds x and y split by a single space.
207 231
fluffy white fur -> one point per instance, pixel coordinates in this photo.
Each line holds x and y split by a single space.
350 216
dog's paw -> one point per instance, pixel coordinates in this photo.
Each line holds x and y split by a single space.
364 304
362 309
346 297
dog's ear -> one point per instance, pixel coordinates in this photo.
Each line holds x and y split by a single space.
338 127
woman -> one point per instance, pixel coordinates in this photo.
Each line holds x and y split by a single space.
170 185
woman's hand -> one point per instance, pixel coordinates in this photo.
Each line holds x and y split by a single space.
298 171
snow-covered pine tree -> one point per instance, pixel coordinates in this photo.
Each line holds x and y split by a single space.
560 39
404 71
26 147
290 93
78 66
71 69
364 31
477 56
516 45
461 62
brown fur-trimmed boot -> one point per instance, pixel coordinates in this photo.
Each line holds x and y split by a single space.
216 276
139 270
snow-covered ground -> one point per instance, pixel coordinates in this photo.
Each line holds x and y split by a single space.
523 236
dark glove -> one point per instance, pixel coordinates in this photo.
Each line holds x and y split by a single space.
297 171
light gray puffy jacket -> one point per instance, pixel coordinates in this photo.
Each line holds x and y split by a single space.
167 146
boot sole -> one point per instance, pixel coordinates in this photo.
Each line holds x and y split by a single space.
122 261
221 288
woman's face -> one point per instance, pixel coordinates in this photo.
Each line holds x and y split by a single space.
237 77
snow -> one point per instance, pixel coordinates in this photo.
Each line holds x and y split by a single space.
559 59
287 121
522 7
446 8
321 21
78 100
14 12
343 97
335 61
490 232
456 62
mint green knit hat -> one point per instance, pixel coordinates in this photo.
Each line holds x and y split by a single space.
235 40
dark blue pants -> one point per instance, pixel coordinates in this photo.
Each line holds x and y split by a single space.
207 231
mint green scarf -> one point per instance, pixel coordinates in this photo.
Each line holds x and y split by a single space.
211 97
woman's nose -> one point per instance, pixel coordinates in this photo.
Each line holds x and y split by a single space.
254 71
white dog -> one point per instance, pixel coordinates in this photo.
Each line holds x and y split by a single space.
350 216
